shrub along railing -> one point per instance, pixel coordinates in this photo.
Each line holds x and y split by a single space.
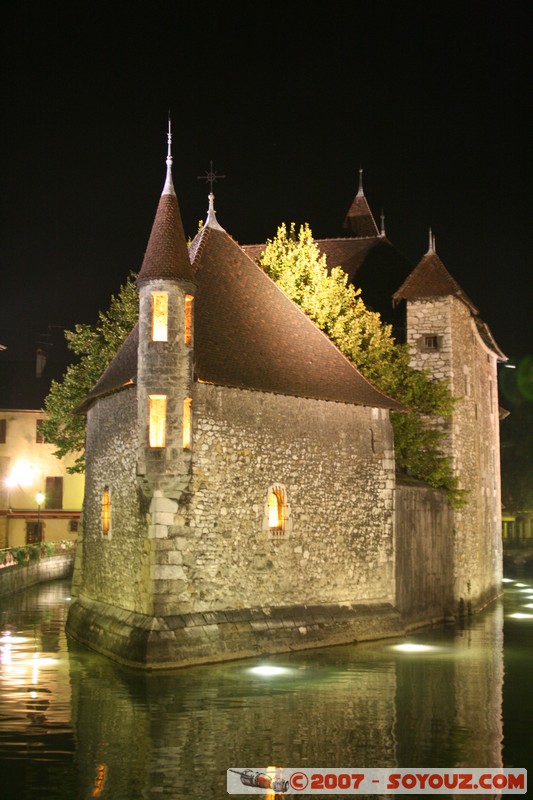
25 554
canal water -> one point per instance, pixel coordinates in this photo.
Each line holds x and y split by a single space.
74 726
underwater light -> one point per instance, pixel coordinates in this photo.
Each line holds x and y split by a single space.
267 671
409 647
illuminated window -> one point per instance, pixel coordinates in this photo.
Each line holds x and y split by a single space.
276 510
159 316
158 419
187 419
188 319
106 511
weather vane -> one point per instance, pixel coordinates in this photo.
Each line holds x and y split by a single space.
210 177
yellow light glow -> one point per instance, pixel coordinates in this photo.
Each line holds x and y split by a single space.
159 316
521 616
22 474
188 319
158 420
187 418
40 498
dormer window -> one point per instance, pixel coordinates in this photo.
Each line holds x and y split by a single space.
159 316
188 319
157 420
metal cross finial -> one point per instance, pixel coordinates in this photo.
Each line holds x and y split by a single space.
210 177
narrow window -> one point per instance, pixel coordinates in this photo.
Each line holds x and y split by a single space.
73 526
106 511
431 342
188 319
159 316
39 438
3 430
276 510
158 419
53 493
187 419
33 532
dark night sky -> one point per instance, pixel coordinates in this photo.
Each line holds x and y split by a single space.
433 100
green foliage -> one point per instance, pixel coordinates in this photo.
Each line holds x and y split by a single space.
20 554
95 346
293 260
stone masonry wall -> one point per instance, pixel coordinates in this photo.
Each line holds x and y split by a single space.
335 463
210 547
115 568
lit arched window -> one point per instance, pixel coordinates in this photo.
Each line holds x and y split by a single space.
106 512
276 521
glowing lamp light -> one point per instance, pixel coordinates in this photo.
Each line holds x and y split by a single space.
507 580
519 615
40 498
21 475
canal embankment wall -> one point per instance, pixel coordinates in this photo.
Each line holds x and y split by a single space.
17 577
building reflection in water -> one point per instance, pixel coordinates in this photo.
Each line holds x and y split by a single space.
103 731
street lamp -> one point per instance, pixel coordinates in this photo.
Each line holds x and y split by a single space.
40 500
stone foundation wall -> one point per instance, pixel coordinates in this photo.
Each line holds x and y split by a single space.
19 577
424 555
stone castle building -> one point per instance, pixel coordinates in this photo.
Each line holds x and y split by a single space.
241 494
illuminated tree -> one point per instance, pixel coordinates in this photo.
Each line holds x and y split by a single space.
95 346
293 260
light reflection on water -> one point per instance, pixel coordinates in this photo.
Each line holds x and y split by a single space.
73 725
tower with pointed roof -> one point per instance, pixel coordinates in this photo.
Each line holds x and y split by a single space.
166 288
447 337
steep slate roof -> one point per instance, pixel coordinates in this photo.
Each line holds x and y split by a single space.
430 278
247 333
359 220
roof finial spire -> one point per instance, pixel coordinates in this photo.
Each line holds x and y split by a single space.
211 221
431 248
382 231
169 186
360 190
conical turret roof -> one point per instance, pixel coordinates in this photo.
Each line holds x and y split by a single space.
430 278
359 220
166 256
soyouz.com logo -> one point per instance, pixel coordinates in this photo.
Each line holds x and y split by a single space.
406 780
